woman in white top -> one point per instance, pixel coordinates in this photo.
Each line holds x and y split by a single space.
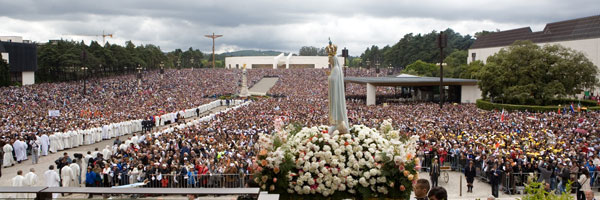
106 175
584 180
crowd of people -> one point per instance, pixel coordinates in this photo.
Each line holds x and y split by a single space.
456 135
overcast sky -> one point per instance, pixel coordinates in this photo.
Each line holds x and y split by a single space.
282 25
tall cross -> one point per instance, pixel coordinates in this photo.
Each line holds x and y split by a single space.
213 36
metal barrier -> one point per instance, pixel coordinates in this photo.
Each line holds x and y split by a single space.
43 193
182 181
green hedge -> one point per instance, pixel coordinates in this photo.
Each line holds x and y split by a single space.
486 105
587 103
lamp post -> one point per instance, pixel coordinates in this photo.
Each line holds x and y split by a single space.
368 64
139 74
192 62
179 63
377 67
84 69
162 69
442 42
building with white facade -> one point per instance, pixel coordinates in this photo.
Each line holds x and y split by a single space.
21 55
279 62
582 34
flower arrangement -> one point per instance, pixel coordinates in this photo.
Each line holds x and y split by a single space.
363 163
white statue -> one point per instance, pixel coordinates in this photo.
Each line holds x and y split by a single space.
338 115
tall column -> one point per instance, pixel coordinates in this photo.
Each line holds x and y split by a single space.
371 91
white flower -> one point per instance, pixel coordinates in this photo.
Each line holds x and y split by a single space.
363 182
311 181
326 148
306 189
367 175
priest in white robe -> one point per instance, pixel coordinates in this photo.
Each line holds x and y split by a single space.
45 141
66 140
31 180
105 130
59 139
67 176
76 173
8 159
80 135
86 160
20 150
53 148
52 179
19 181
107 153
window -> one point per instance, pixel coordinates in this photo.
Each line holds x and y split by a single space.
237 66
473 56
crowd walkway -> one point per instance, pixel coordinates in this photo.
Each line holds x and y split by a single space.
263 86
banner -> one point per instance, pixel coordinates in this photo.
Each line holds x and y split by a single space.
54 113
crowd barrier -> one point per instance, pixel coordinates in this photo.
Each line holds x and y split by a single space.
178 181
510 182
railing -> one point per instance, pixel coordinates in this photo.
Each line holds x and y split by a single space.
181 181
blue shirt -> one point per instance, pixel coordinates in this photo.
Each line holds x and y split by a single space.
90 177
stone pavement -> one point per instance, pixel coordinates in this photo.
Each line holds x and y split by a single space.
264 85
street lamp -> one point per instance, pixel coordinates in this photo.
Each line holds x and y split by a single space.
377 67
368 64
179 63
162 69
139 74
84 69
192 62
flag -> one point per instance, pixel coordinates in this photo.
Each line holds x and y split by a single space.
559 109
571 106
578 107
502 115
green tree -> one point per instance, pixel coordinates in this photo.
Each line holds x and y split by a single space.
424 47
309 51
421 68
525 73
455 63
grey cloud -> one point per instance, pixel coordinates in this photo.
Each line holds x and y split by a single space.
268 24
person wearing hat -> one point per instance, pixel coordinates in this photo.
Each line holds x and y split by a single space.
470 174
434 172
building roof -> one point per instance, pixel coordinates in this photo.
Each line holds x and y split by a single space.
409 81
575 29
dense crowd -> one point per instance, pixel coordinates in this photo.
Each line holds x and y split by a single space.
25 112
525 142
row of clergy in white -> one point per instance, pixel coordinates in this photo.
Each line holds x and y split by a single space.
160 120
70 176
71 139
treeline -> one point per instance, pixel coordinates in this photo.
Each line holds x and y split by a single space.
415 54
64 60
412 48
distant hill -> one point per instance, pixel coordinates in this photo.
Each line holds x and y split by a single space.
251 53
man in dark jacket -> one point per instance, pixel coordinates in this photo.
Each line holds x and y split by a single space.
496 172
470 174
434 172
